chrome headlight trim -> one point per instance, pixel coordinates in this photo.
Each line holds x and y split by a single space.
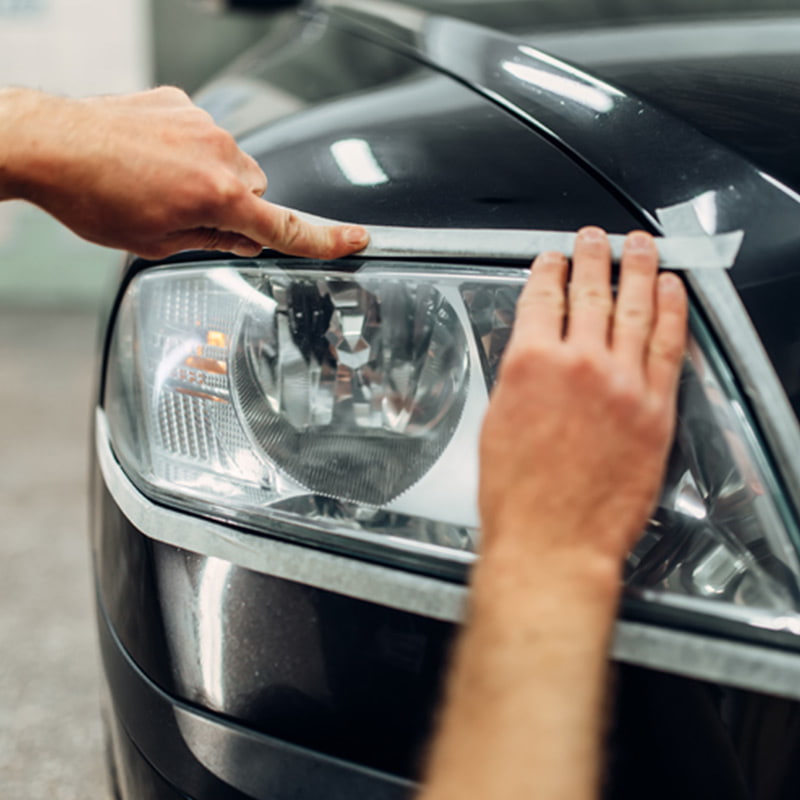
741 345
311 566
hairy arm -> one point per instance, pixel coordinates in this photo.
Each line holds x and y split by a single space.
150 173
572 456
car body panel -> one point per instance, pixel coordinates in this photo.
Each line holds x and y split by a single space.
654 166
647 158
442 155
215 662
356 682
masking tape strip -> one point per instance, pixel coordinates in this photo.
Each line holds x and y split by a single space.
676 252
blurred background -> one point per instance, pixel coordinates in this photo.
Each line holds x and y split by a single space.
51 287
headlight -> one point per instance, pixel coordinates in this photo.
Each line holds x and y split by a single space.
351 387
343 409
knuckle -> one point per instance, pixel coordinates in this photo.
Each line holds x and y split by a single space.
290 230
593 297
202 118
219 191
585 368
520 364
222 138
549 296
628 397
210 239
172 93
260 181
229 189
669 352
218 141
633 316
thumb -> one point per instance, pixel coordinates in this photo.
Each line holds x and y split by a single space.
283 230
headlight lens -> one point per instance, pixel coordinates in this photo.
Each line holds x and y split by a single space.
352 387
343 408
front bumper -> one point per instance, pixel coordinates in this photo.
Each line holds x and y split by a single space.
244 667
160 743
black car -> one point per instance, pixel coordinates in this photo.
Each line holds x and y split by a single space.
285 450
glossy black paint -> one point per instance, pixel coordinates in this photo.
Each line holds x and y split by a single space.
162 743
750 104
460 157
131 773
654 159
345 679
520 15
448 158
674 737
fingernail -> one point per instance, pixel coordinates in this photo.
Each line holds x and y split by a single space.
592 234
356 237
669 282
247 250
639 241
553 256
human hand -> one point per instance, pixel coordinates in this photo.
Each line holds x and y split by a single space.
575 441
150 173
572 455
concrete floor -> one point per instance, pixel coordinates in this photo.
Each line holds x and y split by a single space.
50 735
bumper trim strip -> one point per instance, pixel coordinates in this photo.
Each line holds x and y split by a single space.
237 762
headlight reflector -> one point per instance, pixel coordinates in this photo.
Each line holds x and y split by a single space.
353 387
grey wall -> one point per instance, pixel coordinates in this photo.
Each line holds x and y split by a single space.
190 45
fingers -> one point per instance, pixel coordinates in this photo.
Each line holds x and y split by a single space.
541 306
252 175
668 339
202 239
634 310
590 302
283 230
160 97
229 242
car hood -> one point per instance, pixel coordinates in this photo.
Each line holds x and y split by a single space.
456 125
734 80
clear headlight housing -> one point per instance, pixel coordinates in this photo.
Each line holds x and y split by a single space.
343 408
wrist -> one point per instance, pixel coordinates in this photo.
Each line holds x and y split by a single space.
26 149
554 579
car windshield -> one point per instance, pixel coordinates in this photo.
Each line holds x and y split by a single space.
543 14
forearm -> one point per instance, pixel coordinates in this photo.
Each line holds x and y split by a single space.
526 698
22 117
151 173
